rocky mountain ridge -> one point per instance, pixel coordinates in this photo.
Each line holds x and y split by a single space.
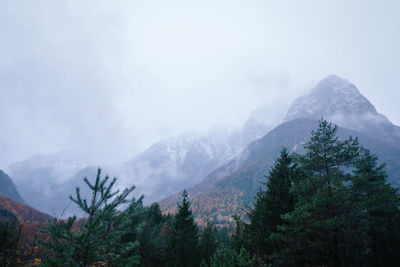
165 168
340 102
232 187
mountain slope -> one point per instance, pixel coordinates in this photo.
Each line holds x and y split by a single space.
260 122
165 168
339 101
24 213
46 181
233 186
8 188
222 197
170 165
43 180
52 197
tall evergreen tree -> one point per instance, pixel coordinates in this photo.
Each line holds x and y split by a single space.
99 240
331 206
321 220
270 205
226 256
152 244
208 242
183 247
377 206
10 232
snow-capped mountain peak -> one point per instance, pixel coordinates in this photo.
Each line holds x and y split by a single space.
340 102
333 98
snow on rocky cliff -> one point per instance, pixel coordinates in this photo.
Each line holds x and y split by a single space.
340 102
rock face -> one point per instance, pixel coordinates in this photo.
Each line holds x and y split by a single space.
173 164
8 188
222 167
331 96
339 101
233 186
165 168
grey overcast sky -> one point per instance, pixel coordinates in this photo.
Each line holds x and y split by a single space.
111 77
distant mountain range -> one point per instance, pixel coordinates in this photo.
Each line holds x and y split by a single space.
165 168
46 181
232 187
222 168
171 165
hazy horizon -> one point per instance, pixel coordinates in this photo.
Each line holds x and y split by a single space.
113 78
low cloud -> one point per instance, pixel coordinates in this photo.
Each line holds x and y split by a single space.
109 79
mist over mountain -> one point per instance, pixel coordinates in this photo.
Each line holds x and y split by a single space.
194 105
46 181
233 186
165 168
8 188
171 165
224 158
260 122
340 102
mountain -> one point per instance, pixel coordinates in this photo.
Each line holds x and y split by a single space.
340 102
260 122
46 181
23 213
168 166
330 97
165 168
8 188
171 165
232 187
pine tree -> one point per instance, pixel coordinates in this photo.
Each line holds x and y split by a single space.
152 244
343 211
208 242
240 236
318 227
270 205
10 232
183 240
99 240
377 205
225 256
